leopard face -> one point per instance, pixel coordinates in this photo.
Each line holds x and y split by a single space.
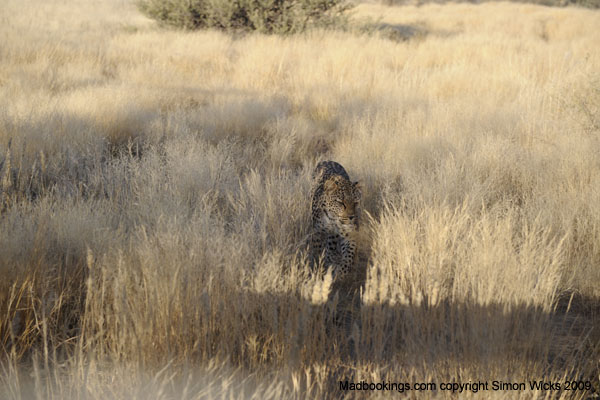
341 200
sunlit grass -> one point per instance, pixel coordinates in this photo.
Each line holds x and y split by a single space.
155 202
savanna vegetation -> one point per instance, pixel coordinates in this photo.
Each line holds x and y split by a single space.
594 4
265 16
155 203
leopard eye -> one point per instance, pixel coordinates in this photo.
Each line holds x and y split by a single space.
341 203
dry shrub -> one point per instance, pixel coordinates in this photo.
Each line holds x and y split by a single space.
271 16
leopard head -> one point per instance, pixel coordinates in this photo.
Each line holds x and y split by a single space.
342 198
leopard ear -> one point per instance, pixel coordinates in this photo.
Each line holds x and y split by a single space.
330 184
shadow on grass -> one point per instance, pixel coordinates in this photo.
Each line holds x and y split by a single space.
346 332
403 32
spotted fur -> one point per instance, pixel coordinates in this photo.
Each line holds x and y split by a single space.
335 216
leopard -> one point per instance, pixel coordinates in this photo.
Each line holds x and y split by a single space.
335 217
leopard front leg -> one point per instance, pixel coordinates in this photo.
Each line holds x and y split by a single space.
318 245
331 251
339 254
348 250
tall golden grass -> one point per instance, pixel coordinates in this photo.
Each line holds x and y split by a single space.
155 190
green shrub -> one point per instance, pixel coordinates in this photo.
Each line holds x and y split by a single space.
266 16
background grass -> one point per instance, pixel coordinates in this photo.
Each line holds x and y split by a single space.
155 191
594 4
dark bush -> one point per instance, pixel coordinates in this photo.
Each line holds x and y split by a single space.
266 16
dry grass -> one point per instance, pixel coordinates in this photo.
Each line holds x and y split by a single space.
154 203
